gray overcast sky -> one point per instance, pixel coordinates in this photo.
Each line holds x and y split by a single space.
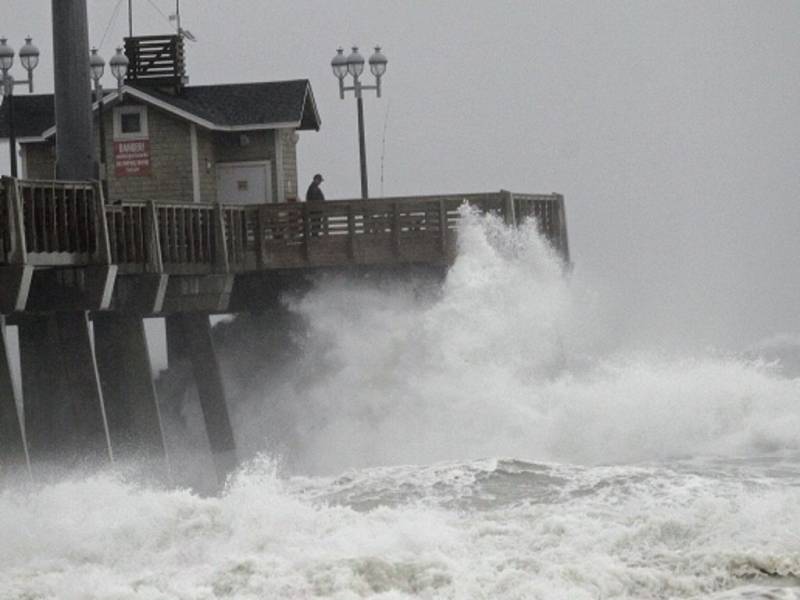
672 128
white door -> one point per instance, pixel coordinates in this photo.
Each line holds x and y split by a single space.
244 183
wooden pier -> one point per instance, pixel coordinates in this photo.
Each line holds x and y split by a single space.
68 258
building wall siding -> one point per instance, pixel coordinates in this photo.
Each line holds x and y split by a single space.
40 160
206 155
289 142
170 178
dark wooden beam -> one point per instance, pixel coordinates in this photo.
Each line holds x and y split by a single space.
189 338
123 362
13 453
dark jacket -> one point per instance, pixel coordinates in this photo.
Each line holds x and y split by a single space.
314 194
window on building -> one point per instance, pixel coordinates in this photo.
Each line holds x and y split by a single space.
130 122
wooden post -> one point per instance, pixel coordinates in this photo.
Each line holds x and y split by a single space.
351 231
563 239
306 231
123 361
64 413
102 255
18 251
509 214
442 228
261 232
221 262
189 337
15 274
13 451
396 229
47 418
155 261
81 386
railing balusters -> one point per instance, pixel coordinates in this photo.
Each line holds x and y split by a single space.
396 229
71 220
192 258
173 228
31 220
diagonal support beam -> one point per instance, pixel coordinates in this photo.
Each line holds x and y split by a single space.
189 338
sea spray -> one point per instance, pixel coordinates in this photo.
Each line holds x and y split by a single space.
451 439
496 360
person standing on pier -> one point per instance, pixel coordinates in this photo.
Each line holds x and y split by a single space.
314 195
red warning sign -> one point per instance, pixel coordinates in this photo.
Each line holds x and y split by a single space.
132 158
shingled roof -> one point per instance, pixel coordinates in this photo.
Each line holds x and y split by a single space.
231 107
32 115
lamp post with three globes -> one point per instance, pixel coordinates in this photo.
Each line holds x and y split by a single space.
353 65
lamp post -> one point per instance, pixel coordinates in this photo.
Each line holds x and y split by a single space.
96 66
119 68
29 57
353 65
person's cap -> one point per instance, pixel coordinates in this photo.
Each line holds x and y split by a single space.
318 176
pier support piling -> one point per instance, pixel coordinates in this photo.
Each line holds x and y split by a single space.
13 453
63 403
189 338
123 362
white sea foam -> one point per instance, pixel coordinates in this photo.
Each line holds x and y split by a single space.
633 476
465 530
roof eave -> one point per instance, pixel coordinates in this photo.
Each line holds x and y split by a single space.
309 97
191 117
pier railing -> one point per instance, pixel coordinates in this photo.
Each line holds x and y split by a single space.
52 223
48 223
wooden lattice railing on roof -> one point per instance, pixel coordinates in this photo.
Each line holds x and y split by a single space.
156 60
61 223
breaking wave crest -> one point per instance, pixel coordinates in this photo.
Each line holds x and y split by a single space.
501 359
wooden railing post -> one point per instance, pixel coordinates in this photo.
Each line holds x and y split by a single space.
18 252
442 228
102 253
306 230
221 261
509 214
563 238
396 229
261 232
154 258
351 231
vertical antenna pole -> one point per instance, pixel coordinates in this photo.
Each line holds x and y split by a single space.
130 18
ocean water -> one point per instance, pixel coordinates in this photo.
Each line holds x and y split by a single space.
477 438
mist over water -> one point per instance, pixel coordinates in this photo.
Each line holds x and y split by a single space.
481 436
